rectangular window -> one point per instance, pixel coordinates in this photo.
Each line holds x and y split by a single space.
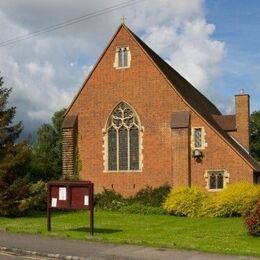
197 137
216 180
122 57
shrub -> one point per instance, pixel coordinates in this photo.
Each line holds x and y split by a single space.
141 209
109 199
252 220
153 197
235 200
38 196
150 197
185 201
13 198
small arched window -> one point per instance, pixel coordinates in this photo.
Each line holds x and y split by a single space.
123 139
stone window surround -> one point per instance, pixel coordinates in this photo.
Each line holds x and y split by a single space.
105 143
116 65
225 179
203 134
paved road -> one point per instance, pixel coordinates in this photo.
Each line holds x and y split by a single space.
10 256
95 251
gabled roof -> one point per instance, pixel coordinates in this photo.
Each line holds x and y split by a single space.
193 98
196 100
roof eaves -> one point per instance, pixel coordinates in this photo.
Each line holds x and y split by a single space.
206 110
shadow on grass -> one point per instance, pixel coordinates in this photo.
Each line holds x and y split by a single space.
97 230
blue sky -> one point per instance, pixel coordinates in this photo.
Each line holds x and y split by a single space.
238 25
215 44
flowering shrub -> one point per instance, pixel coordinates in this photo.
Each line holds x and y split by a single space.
252 221
235 200
185 201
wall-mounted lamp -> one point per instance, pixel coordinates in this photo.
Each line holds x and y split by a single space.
197 154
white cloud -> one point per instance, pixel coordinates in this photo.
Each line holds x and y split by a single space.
187 45
47 70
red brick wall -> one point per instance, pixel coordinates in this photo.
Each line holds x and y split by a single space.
218 155
148 92
242 119
68 154
181 156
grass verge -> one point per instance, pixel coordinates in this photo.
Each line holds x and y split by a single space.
218 235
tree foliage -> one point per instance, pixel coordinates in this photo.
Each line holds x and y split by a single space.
47 160
8 131
14 159
255 134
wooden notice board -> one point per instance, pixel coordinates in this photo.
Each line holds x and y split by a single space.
76 195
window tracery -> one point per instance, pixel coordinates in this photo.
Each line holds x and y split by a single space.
123 139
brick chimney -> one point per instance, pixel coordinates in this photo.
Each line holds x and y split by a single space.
242 118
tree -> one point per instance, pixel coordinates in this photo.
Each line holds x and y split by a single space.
47 160
8 131
14 160
255 134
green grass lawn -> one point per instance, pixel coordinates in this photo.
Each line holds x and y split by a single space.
222 235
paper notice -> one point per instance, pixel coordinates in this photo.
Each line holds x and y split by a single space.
54 202
62 193
86 200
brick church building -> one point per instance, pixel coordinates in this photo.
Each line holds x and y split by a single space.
137 122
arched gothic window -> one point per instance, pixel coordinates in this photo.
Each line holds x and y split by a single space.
123 139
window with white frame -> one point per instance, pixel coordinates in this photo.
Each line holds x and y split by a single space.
198 138
122 57
123 139
216 179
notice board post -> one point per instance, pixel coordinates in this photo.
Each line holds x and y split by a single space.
70 195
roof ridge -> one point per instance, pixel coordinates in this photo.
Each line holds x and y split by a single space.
215 110
196 100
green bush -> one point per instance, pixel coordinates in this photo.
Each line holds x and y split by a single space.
38 196
153 197
146 200
109 200
252 220
13 198
185 201
141 209
235 200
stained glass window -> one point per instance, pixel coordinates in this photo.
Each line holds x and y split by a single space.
134 151
112 149
123 139
123 148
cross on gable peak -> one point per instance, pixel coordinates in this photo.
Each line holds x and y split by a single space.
123 19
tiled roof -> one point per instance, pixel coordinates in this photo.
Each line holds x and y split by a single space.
69 122
196 100
226 122
180 119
